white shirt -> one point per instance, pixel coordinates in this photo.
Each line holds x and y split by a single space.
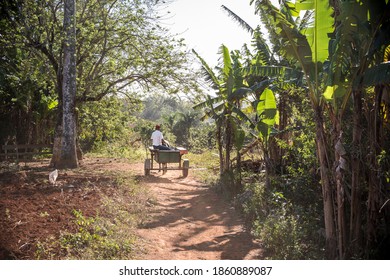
157 138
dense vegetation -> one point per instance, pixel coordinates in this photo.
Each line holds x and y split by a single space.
299 122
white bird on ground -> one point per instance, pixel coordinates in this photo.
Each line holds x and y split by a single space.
53 176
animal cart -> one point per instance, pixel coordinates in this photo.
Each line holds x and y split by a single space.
163 157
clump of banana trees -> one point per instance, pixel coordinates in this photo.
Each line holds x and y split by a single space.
338 52
240 111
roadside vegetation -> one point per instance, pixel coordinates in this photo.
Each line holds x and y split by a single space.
110 233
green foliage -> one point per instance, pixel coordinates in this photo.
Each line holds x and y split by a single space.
93 240
90 240
383 160
185 123
156 106
282 220
107 121
317 33
202 138
144 129
266 110
224 107
239 138
306 45
110 129
180 123
27 104
282 236
286 215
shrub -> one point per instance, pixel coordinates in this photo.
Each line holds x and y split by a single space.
287 226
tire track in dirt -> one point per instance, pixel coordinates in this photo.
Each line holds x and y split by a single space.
191 222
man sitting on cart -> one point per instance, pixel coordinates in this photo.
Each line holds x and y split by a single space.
158 140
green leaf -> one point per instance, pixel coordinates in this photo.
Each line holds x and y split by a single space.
292 8
386 56
335 91
340 91
267 111
264 130
267 102
277 117
239 137
328 94
227 69
322 25
377 75
52 104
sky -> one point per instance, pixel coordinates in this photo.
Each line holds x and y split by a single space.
205 26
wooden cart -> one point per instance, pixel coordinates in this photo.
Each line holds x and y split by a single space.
163 157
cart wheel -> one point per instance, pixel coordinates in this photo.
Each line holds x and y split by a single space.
147 167
186 165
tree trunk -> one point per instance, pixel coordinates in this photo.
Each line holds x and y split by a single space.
220 147
341 166
267 162
374 186
68 157
228 144
327 195
57 138
58 126
356 237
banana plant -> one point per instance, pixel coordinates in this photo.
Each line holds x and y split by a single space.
305 42
223 101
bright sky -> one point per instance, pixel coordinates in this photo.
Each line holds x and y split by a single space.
205 26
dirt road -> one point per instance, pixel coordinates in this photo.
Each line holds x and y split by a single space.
191 222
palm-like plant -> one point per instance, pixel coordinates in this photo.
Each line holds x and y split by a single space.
220 105
263 71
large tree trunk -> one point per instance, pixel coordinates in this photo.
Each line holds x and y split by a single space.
57 138
68 157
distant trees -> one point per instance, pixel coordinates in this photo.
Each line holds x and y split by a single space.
180 122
